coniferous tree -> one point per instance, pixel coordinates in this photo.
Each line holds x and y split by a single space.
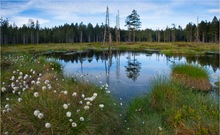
133 23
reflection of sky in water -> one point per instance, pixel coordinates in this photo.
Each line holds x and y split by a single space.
119 84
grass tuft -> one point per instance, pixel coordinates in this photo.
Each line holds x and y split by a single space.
173 109
192 76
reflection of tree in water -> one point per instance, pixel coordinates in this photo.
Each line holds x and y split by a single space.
206 60
133 68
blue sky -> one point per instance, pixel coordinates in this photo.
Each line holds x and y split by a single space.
154 14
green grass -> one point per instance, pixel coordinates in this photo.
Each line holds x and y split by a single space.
174 109
192 76
19 117
193 71
169 48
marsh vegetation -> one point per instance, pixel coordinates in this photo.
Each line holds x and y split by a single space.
37 98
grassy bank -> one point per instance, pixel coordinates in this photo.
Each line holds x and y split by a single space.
173 109
37 99
192 76
168 48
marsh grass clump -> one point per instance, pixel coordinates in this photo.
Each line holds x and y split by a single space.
191 76
173 109
38 99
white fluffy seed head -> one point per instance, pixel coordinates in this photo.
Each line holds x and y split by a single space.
7 106
19 99
101 106
86 107
95 94
68 114
36 94
74 94
74 124
40 115
65 106
47 125
81 119
88 103
36 112
3 89
65 92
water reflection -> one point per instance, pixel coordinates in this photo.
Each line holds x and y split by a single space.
133 67
127 73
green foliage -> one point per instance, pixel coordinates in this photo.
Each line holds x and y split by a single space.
133 20
79 32
166 48
170 108
191 70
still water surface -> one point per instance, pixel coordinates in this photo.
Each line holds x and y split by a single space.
127 73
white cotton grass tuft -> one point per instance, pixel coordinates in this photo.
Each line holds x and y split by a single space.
36 94
95 94
47 125
65 92
81 119
7 106
3 89
19 99
65 106
46 81
74 124
101 106
74 94
86 107
88 103
36 112
68 114
40 115
44 88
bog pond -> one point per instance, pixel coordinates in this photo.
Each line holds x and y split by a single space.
127 74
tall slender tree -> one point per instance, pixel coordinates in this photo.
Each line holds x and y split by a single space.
133 23
37 31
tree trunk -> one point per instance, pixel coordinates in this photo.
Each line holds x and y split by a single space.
203 37
37 38
81 37
89 38
158 36
129 36
133 35
164 36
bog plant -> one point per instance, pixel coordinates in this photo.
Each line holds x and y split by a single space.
192 76
37 99
173 109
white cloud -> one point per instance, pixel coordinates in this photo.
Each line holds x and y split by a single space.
11 8
153 14
214 11
20 20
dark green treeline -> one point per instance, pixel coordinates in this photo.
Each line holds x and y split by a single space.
32 33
